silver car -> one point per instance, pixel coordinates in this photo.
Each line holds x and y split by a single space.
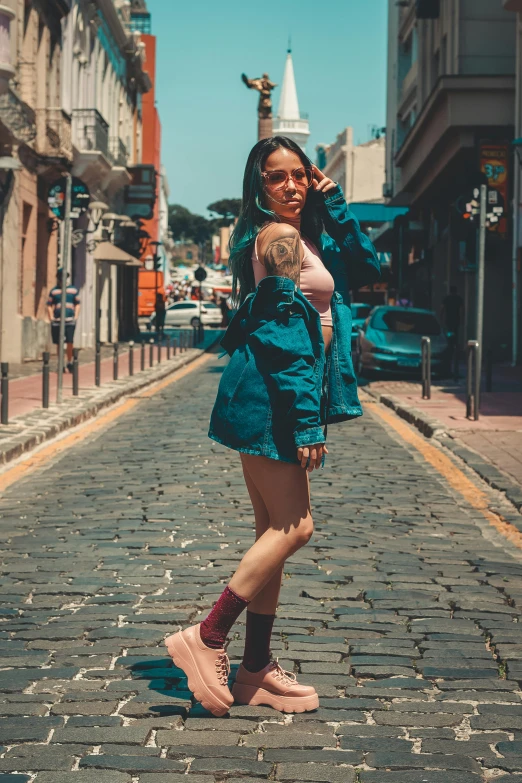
390 342
190 313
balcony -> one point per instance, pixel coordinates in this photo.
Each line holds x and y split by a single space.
90 131
118 151
17 119
53 134
90 136
459 110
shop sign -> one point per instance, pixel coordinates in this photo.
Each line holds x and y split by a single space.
80 197
494 160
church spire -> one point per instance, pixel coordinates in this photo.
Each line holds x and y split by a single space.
288 103
288 121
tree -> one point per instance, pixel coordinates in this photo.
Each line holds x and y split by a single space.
227 208
188 227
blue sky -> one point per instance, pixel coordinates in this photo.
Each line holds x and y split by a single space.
209 117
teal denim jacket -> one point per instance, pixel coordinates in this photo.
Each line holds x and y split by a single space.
279 389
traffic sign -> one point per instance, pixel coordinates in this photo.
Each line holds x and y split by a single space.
80 197
469 206
200 274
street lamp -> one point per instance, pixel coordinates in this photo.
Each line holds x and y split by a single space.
156 259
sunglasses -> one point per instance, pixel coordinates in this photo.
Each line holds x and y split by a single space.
278 180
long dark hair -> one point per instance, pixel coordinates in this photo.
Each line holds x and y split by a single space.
253 214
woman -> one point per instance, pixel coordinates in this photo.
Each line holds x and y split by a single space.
289 374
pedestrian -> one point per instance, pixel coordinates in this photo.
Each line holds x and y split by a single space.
281 386
72 311
452 306
159 315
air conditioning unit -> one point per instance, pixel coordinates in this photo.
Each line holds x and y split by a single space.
387 190
428 9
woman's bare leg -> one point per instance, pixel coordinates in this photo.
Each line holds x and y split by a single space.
284 490
266 600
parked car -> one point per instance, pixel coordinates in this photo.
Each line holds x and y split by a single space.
190 313
390 342
360 313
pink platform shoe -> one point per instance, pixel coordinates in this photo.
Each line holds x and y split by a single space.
275 687
207 669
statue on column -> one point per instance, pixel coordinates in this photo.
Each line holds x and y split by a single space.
264 108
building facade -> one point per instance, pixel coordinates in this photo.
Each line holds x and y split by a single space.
358 168
451 118
35 141
103 96
72 77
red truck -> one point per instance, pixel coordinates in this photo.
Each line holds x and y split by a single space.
150 283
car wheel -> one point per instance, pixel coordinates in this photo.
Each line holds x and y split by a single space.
195 322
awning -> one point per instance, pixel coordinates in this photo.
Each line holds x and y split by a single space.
111 254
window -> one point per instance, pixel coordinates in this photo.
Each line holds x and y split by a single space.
183 306
360 311
406 321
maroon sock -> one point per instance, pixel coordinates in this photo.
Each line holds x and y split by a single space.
226 610
257 641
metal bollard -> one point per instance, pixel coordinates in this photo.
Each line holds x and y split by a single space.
194 336
45 379
174 347
168 346
4 417
473 381
115 358
76 353
151 352
142 357
201 333
97 365
426 368
159 350
489 371
131 358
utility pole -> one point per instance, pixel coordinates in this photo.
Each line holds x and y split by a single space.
479 330
66 252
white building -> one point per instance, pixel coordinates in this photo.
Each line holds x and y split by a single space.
104 78
289 121
358 168
166 249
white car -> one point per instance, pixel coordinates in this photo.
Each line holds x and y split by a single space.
191 313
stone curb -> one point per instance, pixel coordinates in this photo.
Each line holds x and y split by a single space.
432 428
25 433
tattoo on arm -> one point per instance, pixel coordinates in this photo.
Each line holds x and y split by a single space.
282 258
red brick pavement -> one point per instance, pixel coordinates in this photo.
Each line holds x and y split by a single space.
496 436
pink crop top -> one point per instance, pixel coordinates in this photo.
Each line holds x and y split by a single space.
316 282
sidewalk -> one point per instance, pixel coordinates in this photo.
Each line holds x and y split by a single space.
492 445
25 380
30 424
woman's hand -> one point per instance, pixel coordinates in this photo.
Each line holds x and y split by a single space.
311 457
321 182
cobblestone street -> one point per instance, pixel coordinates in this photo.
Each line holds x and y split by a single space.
403 612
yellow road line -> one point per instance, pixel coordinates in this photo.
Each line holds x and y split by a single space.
83 431
449 471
